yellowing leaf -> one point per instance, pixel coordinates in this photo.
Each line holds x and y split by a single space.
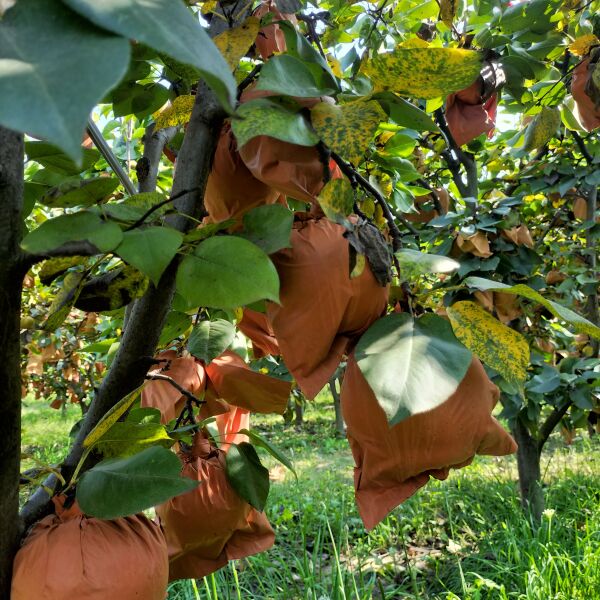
542 129
501 348
337 200
424 72
208 7
347 129
448 11
63 302
336 67
359 266
581 46
234 43
566 314
177 114
110 418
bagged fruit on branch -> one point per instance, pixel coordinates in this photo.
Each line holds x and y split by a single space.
323 309
392 463
586 93
472 111
69 556
256 327
227 380
271 39
231 189
424 215
211 525
291 169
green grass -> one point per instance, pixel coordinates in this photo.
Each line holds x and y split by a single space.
466 538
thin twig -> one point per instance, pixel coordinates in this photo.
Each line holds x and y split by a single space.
171 381
356 178
110 158
154 208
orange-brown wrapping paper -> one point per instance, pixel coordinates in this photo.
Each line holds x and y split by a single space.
68 556
393 463
589 113
210 525
469 115
322 310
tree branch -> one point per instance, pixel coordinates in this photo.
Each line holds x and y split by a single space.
141 335
109 156
12 271
554 418
179 388
356 178
147 166
455 157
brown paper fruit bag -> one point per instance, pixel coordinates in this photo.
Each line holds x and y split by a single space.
469 115
322 311
211 525
589 113
392 463
68 556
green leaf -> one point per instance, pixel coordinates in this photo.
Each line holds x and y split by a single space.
210 339
226 272
177 324
55 159
578 322
414 263
267 117
426 73
412 366
63 301
118 487
150 249
127 439
84 192
290 76
54 68
74 227
247 475
169 27
269 227
259 440
135 207
498 346
405 113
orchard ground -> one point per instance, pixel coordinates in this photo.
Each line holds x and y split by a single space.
465 538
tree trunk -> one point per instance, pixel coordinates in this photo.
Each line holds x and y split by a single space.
339 419
298 412
11 278
530 479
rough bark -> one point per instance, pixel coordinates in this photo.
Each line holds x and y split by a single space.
11 277
339 419
530 479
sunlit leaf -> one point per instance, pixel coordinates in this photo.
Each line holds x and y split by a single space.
126 439
210 339
414 263
337 200
85 192
581 45
542 129
54 68
411 365
578 322
169 27
501 348
179 113
349 128
265 117
235 43
424 72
